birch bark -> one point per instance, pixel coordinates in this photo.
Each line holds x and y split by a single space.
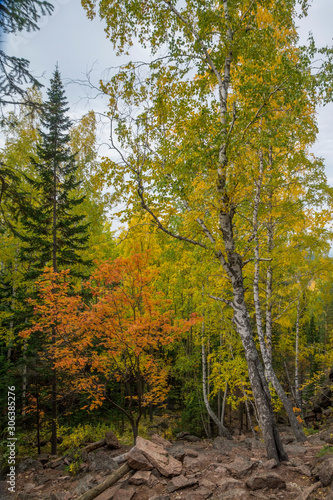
266 356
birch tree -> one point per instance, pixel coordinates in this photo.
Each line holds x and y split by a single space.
184 125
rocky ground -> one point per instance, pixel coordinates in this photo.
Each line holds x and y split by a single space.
189 468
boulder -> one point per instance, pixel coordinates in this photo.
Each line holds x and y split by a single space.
206 483
43 458
28 464
188 437
136 460
236 494
270 480
191 453
100 460
220 469
61 495
112 441
240 467
85 484
308 491
180 482
270 464
325 471
141 477
228 483
160 497
124 494
299 466
327 436
158 457
295 449
223 446
155 438
177 452
192 439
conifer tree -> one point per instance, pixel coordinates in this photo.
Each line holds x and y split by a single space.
54 233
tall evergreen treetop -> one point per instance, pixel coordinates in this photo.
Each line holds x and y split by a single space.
54 231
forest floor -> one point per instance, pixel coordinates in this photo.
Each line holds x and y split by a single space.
211 469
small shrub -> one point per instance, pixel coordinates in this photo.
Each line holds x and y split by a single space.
310 432
326 450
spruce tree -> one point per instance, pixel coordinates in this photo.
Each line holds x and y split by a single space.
53 232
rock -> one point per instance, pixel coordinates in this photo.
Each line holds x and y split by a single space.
295 449
329 494
29 487
180 482
192 439
42 478
308 491
158 457
237 494
254 444
61 495
221 470
138 461
112 441
270 480
160 497
270 464
155 438
181 435
124 494
223 445
43 458
177 452
100 460
191 453
287 439
206 483
327 436
200 493
240 467
141 477
23 496
84 485
28 464
227 483
325 471
299 466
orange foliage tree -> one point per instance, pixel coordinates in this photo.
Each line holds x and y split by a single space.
122 335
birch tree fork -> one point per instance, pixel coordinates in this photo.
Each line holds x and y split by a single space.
185 151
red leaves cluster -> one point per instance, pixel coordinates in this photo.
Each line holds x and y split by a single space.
119 335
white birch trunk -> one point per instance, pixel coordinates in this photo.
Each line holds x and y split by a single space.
297 429
215 419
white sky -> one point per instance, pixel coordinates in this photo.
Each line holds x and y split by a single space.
77 44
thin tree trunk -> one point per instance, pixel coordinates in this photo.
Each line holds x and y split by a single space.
269 271
54 405
224 403
249 419
297 391
55 270
24 380
38 419
224 431
297 429
273 444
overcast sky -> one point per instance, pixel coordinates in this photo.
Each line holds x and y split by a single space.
77 44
